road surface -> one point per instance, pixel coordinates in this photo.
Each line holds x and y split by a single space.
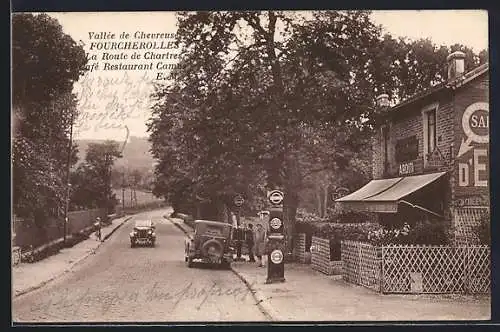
123 284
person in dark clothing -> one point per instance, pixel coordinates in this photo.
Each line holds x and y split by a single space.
238 232
98 225
259 239
249 241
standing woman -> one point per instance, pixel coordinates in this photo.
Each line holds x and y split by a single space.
259 240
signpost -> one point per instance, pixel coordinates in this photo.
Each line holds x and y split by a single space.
276 239
238 201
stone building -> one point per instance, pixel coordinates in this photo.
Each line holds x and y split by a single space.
431 154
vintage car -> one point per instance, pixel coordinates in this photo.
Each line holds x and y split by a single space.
143 233
211 243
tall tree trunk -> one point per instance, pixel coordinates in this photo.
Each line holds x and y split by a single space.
291 180
325 200
317 194
292 187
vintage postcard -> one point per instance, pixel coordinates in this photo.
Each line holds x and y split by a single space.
250 166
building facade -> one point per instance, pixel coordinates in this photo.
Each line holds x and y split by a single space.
437 142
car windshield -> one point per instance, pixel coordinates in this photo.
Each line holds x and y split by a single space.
143 223
215 229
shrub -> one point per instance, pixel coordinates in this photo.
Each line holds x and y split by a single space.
350 217
428 233
324 228
422 233
336 232
386 236
354 232
483 229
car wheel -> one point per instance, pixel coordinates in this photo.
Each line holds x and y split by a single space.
225 265
212 245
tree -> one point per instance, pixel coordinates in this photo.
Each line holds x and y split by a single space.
268 93
256 111
45 64
410 66
91 182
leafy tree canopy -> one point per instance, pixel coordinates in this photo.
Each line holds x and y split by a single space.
91 181
45 64
265 99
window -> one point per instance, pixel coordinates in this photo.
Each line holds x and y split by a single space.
429 115
406 149
431 131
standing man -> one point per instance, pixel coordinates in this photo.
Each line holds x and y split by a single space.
239 243
237 236
98 226
250 242
259 243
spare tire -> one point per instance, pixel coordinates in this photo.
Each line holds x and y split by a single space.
212 248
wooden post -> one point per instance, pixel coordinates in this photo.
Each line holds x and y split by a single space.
465 251
123 191
359 263
382 288
68 170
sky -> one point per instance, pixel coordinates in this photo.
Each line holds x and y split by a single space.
104 94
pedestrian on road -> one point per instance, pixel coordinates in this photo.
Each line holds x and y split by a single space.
237 236
98 225
239 242
259 240
250 243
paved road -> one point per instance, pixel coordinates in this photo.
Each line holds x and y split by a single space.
123 284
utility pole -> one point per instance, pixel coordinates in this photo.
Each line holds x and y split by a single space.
123 190
109 163
68 172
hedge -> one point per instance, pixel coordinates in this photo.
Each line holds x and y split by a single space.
335 232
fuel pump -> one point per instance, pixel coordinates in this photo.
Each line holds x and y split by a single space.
276 239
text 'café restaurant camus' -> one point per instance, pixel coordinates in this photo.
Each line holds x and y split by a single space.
431 156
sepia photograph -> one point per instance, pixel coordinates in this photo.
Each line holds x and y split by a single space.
269 166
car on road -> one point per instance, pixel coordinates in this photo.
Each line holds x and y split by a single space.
211 244
143 233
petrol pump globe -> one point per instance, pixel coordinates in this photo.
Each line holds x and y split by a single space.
276 223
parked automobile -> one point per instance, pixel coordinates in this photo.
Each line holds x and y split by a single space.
143 233
211 244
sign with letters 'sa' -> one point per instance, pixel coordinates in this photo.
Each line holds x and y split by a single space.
472 154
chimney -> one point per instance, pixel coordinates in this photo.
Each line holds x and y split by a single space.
456 65
383 101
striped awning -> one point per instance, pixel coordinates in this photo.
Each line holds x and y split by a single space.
385 195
